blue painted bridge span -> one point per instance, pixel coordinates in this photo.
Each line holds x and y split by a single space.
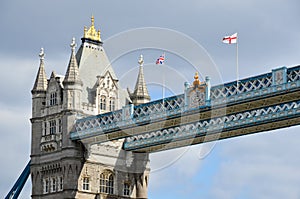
202 113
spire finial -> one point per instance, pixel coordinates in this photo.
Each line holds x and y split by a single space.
73 44
42 54
141 60
196 81
92 20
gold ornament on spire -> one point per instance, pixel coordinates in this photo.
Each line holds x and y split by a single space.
91 33
93 20
196 81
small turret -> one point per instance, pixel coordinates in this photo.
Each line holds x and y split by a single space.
40 87
72 83
40 84
140 94
72 74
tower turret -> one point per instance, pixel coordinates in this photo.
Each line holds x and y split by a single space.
40 87
72 83
140 94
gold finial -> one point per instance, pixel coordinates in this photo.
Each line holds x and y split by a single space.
91 33
92 20
99 35
196 81
84 32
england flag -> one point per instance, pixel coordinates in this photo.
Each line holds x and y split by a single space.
230 39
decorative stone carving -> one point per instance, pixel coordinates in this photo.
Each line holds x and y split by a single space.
197 98
196 93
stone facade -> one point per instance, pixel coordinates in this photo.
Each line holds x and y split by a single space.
61 168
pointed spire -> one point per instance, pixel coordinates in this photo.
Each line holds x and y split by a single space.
72 74
140 94
41 78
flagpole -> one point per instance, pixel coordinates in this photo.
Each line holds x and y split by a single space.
230 40
163 86
237 65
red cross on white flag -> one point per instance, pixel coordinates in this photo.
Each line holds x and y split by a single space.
230 39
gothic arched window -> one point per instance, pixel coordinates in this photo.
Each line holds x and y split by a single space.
102 183
107 183
110 184
103 102
112 104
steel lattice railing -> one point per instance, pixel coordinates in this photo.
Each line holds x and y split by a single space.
204 126
220 94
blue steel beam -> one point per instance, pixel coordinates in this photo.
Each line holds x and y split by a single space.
19 184
232 125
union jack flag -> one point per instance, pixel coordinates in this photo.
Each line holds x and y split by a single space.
161 59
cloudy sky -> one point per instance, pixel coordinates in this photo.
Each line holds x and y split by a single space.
257 166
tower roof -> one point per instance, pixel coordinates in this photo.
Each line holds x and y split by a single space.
41 78
92 61
140 91
72 74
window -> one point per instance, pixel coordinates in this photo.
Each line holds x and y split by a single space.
102 183
53 99
53 184
112 104
86 183
126 189
46 185
110 185
52 127
45 128
107 183
59 126
60 183
103 102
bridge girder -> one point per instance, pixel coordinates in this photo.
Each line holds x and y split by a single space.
144 129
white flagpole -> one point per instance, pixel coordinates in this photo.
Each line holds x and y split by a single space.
237 64
163 86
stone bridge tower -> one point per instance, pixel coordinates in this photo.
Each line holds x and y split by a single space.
61 168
